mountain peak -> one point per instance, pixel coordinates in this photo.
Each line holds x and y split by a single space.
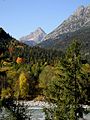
81 7
34 37
39 30
80 18
80 10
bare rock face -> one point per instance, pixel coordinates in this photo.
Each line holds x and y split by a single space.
80 18
34 37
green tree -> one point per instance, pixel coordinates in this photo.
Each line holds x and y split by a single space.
68 90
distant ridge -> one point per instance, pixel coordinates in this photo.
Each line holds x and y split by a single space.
34 37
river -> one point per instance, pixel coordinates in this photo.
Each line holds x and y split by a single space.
34 111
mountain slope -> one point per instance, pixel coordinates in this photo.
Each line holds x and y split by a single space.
34 37
82 35
76 27
6 40
11 50
65 39
80 18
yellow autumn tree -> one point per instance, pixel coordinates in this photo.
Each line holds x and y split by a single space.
5 93
23 85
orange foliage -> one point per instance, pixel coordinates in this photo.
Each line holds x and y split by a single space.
19 60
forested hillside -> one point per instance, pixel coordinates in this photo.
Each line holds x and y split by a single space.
28 73
22 64
14 49
63 41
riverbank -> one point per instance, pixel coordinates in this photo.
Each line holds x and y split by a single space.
40 104
34 110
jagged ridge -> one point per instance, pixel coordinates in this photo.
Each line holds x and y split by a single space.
80 18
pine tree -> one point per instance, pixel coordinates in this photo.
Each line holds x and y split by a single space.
67 90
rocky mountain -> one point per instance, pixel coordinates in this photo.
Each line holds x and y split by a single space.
76 27
80 18
82 35
34 37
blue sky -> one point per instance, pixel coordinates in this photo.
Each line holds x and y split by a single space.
20 17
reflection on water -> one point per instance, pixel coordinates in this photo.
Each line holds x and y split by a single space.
33 113
37 114
5 114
